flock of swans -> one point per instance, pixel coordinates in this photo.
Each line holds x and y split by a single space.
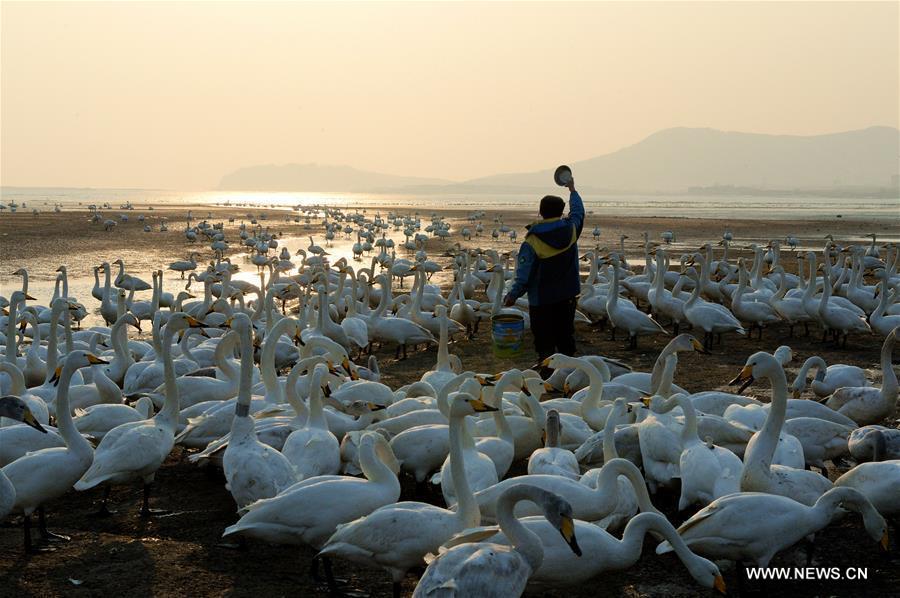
262 381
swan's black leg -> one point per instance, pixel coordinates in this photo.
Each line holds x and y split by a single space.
806 327
29 547
103 510
146 511
26 526
46 534
397 589
675 327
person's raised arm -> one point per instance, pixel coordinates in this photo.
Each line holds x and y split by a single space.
576 207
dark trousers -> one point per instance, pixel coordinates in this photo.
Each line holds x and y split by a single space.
553 327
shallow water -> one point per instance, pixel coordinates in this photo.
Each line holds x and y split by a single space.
683 205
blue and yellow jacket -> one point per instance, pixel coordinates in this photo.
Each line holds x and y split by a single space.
547 266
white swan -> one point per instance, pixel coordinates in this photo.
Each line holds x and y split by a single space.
495 570
252 469
138 449
383 538
827 379
633 321
711 318
759 473
604 552
312 450
185 265
867 404
878 481
551 459
837 319
98 420
44 475
881 320
36 405
442 371
15 409
588 503
308 512
754 526
707 471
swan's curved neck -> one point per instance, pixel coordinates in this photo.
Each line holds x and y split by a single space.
467 509
664 382
16 378
782 287
606 484
316 414
373 461
595 381
612 298
74 440
760 454
223 350
443 397
689 432
245 387
889 384
52 339
609 434
629 548
116 334
274 390
811 362
525 541
443 357
11 332
695 293
169 412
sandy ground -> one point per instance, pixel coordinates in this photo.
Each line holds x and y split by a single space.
180 555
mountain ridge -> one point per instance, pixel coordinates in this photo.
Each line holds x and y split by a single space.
669 160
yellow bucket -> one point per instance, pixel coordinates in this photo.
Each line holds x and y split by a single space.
507 332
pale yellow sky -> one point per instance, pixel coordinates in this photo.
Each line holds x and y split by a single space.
176 95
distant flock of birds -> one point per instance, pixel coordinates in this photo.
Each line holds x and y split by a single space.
262 381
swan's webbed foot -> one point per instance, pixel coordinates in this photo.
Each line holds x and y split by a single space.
333 583
102 512
47 535
29 547
146 511
240 543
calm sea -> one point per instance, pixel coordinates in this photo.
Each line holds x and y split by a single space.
688 206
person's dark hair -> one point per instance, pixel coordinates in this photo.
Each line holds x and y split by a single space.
552 206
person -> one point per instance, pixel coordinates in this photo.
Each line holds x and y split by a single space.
547 269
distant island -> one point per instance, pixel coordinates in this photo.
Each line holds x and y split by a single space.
863 162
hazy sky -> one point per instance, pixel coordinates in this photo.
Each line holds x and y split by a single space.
176 95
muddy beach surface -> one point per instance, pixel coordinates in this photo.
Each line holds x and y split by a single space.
180 554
